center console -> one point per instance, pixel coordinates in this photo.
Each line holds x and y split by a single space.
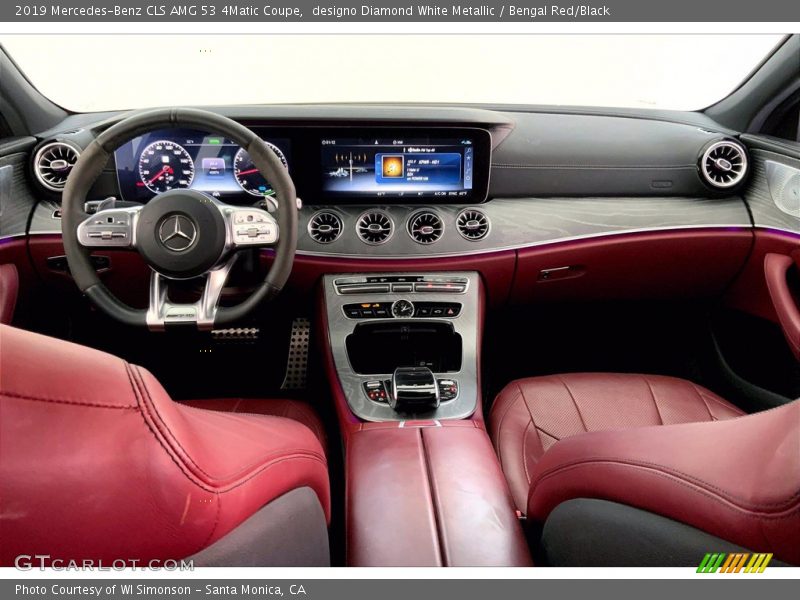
405 346
424 486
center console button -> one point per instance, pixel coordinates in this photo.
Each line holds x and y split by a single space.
402 288
363 288
376 391
448 389
452 310
452 288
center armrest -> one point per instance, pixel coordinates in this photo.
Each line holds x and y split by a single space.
429 494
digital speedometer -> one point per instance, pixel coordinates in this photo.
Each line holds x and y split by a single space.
249 178
165 165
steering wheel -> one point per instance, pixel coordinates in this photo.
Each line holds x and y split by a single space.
181 233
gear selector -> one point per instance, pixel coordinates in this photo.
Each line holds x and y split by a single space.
414 389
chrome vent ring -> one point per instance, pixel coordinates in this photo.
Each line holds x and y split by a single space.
374 227
724 164
53 163
425 227
472 224
325 227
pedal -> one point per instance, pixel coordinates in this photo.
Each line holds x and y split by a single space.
236 335
297 361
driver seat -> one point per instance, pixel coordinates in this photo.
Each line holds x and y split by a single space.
98 463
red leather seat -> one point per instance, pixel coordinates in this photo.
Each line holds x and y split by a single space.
99 463
530 415
288 409
732 476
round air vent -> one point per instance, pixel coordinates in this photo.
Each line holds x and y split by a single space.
374 227
724 164
425 227
325 227
472 224
53 163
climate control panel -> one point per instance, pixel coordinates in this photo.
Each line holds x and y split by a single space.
402 309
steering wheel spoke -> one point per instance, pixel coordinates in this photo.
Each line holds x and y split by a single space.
250 227
162 312
110 228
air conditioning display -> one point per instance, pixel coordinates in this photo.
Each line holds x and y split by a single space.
398 167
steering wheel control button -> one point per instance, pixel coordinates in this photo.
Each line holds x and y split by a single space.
108 228
253 227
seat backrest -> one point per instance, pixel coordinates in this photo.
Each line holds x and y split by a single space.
737 479
97 462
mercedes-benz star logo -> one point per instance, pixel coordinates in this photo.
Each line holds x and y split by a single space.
177 232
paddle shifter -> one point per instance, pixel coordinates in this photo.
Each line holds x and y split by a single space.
414 390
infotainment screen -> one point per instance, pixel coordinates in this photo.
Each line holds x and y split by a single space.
398 166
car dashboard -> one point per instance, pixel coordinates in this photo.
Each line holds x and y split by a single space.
395 182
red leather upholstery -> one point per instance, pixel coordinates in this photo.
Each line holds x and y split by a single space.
737 479
96 461
530 415
9 288
279 407
427 495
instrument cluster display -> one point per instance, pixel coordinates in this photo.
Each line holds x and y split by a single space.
177 158
330 164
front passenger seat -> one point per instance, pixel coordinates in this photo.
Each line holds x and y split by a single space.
633 470
98 463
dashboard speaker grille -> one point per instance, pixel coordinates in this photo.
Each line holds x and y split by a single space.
472 224
53 163
325 227
374 227
425 227
724 164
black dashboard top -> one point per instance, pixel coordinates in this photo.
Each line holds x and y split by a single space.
547 153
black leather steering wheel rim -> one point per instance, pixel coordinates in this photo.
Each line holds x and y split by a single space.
94 159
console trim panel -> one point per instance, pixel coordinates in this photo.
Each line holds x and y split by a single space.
466 324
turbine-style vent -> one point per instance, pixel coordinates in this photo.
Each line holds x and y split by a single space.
472 224
374 227
325 227
53 163
724 164
425 227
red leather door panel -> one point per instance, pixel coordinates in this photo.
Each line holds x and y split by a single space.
776 268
